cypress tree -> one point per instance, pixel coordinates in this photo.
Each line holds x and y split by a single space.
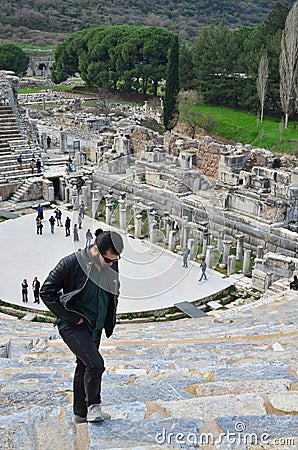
171 111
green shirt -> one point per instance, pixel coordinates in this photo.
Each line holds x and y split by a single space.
92 302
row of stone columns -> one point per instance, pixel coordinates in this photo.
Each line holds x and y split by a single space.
201 236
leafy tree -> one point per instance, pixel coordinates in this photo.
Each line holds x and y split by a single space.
288 66
186 67
115 57
13 58
171 111
214 65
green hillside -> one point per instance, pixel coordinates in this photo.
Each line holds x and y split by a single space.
47 22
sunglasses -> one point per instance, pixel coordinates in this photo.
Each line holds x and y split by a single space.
108 260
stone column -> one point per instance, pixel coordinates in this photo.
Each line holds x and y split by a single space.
75 197
205 242
109 210
169 225
152 233
67 194
196 238
172 240
138 225
151 218
44 140
62 189
122 215
209 256
220 238
185 234
246 262
191 246
226 251
94 202
260 251
63 141
239 248
88 186
231 265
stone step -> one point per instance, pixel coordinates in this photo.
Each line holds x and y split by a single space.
189 376
19 176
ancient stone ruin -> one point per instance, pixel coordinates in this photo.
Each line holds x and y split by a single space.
226 202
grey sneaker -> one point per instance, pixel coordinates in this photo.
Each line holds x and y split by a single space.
95 414
79 419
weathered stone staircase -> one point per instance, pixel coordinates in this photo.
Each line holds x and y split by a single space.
231 378
27 190
12 144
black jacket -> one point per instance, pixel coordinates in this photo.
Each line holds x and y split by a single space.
68 279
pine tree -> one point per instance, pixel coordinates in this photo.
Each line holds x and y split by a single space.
171 111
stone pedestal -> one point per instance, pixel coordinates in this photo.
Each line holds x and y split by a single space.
185 234
226 251
75 198
44 141
172 240
63 141
209 256
151 218
205 243
138 225
94 202
122 215
231 265
109 213
246 262
191 246
220 241
152 233
239 248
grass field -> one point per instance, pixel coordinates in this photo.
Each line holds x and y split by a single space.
242 126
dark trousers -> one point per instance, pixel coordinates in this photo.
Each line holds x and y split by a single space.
89 368
36 295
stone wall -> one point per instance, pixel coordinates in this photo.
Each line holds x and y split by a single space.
8 189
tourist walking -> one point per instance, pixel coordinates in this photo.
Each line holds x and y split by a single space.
58 215
40 211
32 165
80 221
82 291
294 283
49 140
89 237
39 225
67 226
203 267
20 161
25 291
38 165
185 256
52 221
82 210
75 233
36 287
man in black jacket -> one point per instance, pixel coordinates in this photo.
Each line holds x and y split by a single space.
82 291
